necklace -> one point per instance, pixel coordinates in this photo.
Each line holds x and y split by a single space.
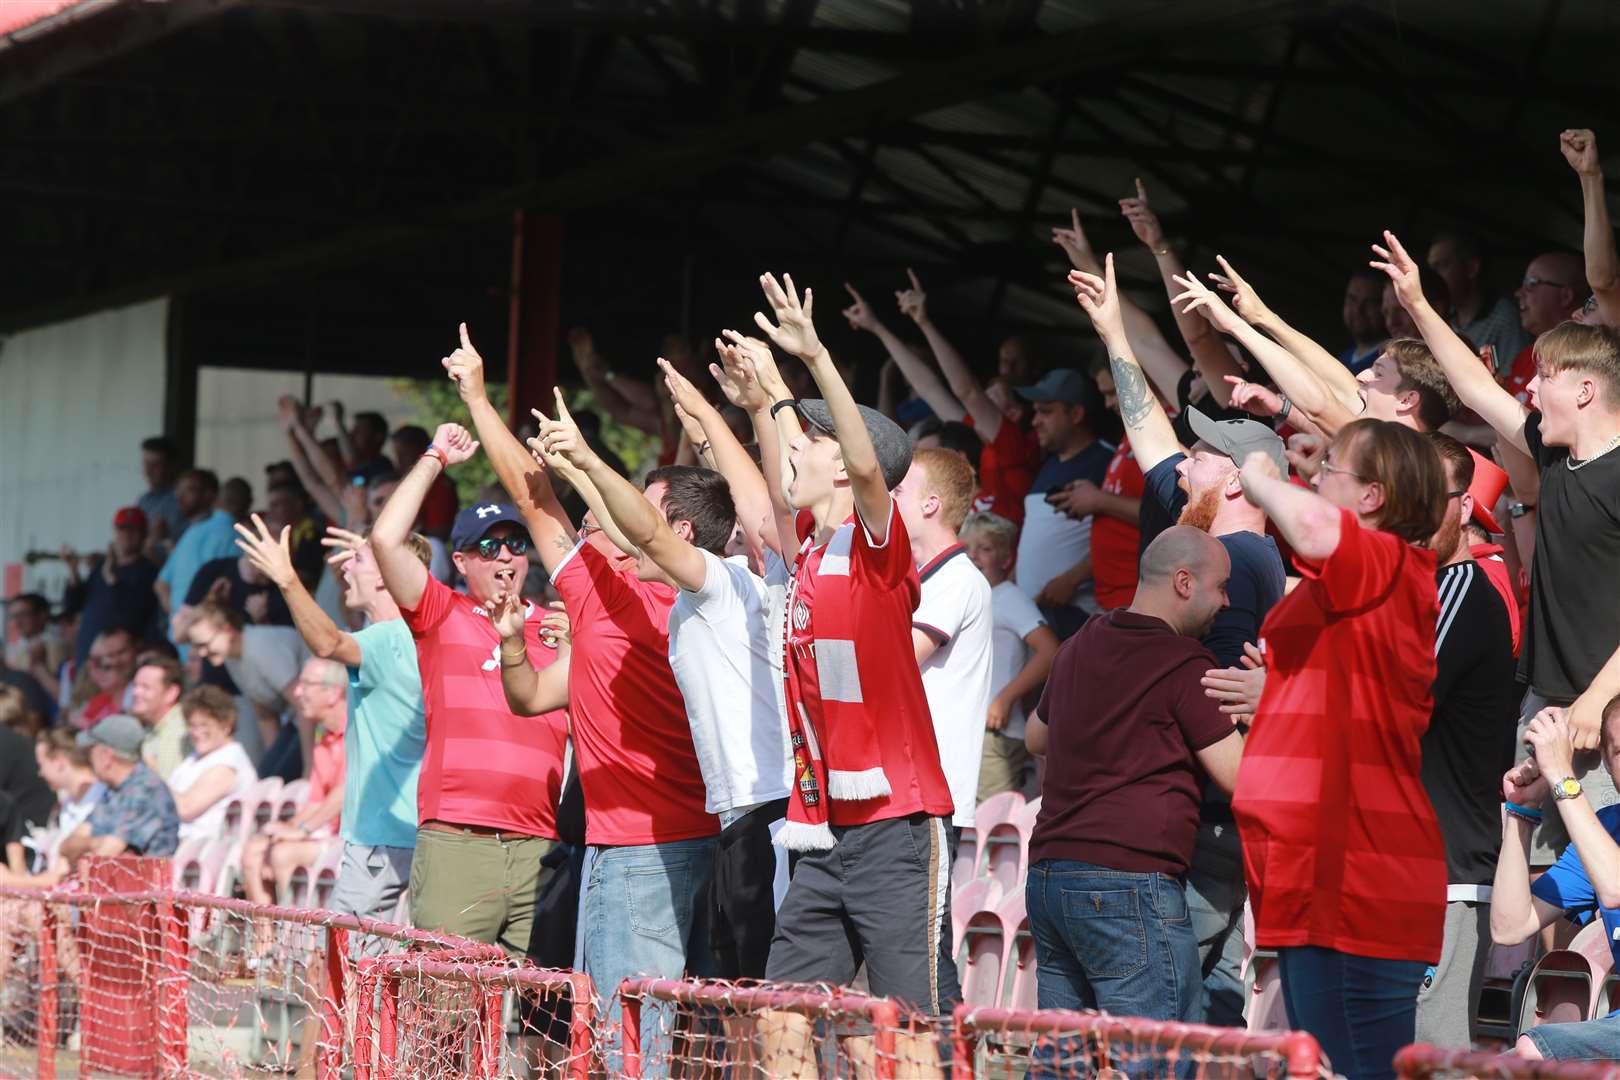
1575 466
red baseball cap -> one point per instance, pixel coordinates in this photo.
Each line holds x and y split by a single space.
130 517
1489 482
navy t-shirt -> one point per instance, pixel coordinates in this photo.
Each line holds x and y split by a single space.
1257 569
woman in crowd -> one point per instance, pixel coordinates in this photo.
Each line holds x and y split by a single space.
1346 870
217 769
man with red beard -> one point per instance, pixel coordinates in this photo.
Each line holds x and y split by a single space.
1201 488
1467 748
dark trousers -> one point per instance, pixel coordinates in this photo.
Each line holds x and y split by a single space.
1361 1010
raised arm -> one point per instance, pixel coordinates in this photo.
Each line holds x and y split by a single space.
272 556
726 455
1475 386
794 332
1602 267
1309 523
629 401
520 474
1516 913
964 385
1298 383
1550 736
309 461
1152 437
751 382
924 380
402 572
641 523
1317 360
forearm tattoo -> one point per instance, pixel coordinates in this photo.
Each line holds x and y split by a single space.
1135 399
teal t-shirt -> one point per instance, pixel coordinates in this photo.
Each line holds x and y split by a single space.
386 738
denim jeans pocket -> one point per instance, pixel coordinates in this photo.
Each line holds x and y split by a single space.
1104 928
657 897
1172 901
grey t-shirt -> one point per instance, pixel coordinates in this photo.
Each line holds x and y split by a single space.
271 658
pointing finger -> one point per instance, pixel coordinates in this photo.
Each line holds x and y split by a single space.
912 274
562 406
466 342
1141 192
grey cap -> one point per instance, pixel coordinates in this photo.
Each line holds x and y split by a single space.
119 733
1237 439
889 439
1060 384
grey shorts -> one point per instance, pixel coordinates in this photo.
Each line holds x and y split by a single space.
1587 1040
881 896
369 884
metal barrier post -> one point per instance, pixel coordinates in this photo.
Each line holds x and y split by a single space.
174 1008
365 992
964 1044
581 1026
630 1037
885 1026
45 1023
329 1052
387 1048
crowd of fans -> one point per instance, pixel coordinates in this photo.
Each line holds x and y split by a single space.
1336 635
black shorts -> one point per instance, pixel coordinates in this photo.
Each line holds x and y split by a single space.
881 896
742 893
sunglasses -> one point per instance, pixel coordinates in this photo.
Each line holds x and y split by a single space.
490 546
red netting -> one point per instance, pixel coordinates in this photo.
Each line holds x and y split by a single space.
728 1031
1005 1043
1433 1063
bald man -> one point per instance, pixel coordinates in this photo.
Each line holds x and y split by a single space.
1129 733
1553 290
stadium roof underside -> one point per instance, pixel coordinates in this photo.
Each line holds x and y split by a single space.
331 183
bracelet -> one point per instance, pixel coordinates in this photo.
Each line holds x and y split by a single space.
1288 407
1166 251
434 451
1528 813
785 403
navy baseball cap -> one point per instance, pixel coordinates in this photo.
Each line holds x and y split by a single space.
1063 384
476 520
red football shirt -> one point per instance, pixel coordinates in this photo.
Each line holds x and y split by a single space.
1517 380
484 764
637 764
438 508
1489 558
850 596
1007 467
1114 543
1341 846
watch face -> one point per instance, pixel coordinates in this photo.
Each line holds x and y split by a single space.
1569 786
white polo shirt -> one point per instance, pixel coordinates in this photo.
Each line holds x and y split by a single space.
956 611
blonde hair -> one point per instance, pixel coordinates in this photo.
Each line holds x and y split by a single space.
951 478
1591 349
999 530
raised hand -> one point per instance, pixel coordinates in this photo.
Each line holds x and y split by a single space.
1245 301
1580 150
1144 222
270 555
913 301
561 438
507 612
1254 398
1259 465
455 441
686 397
1525 784
1305 452
859 315
1402 270
466 368
794 331
1196 296
344 545
1099 299
759 362
287 411
1074 243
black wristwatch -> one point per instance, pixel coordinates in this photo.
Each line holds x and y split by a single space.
785 403
1519 509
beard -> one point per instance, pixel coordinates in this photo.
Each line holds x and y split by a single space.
1447 540
1200 511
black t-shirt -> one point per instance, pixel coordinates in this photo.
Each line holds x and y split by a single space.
1257 568
229 571
25 799
128 603
1470 741
1574 623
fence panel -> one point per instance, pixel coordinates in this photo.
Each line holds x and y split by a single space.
1007 1044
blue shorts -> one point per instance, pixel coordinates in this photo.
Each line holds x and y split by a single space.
1587 1040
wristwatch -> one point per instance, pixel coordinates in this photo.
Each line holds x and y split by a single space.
1519 509
1567 788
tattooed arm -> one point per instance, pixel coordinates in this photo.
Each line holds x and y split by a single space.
1152 437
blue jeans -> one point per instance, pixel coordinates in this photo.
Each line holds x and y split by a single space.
1360 1009
1115 941
640 912
1215 892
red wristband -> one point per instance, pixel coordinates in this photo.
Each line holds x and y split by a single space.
444 459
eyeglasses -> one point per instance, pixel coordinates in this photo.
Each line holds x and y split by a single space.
1329 467
1455 495
490 546
1532 281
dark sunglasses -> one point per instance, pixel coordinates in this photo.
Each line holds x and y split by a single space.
490 546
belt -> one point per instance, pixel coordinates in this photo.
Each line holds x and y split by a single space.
476 830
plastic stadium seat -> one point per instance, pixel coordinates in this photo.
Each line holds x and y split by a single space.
1028 814
1001 809
980 957
291 800
1003 843
1559 991
966 864
1018 984
1503 966
325 871
980 894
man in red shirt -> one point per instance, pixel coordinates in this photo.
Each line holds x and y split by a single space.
651 840
439 508
1129 736
487 796
872 803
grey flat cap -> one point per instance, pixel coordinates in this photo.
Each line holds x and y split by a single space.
889 439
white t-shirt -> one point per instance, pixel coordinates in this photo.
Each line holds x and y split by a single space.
210 822
1016 617
720 650
955 611
1051 543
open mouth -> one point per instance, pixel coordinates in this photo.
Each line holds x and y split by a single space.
506 576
